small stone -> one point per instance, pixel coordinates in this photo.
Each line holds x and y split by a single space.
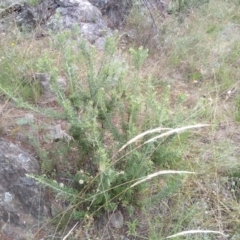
116 219
23 157
8 197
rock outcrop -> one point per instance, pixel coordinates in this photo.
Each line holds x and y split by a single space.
21 200
58 15
83 14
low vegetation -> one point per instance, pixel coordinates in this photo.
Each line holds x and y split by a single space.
150 129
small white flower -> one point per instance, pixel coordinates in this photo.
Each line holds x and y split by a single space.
81 182
61 185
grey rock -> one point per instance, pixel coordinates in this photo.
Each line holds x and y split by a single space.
25 19
21 199
58 15
7 3
116 219
79 13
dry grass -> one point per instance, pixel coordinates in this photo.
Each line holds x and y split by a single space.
195 232
153 175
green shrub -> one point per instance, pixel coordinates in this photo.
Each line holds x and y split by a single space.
106 103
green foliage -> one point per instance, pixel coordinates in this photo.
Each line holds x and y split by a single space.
139 56
106 103
173 184
132 227
185 5
10 76
165 156
33 2
105 108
